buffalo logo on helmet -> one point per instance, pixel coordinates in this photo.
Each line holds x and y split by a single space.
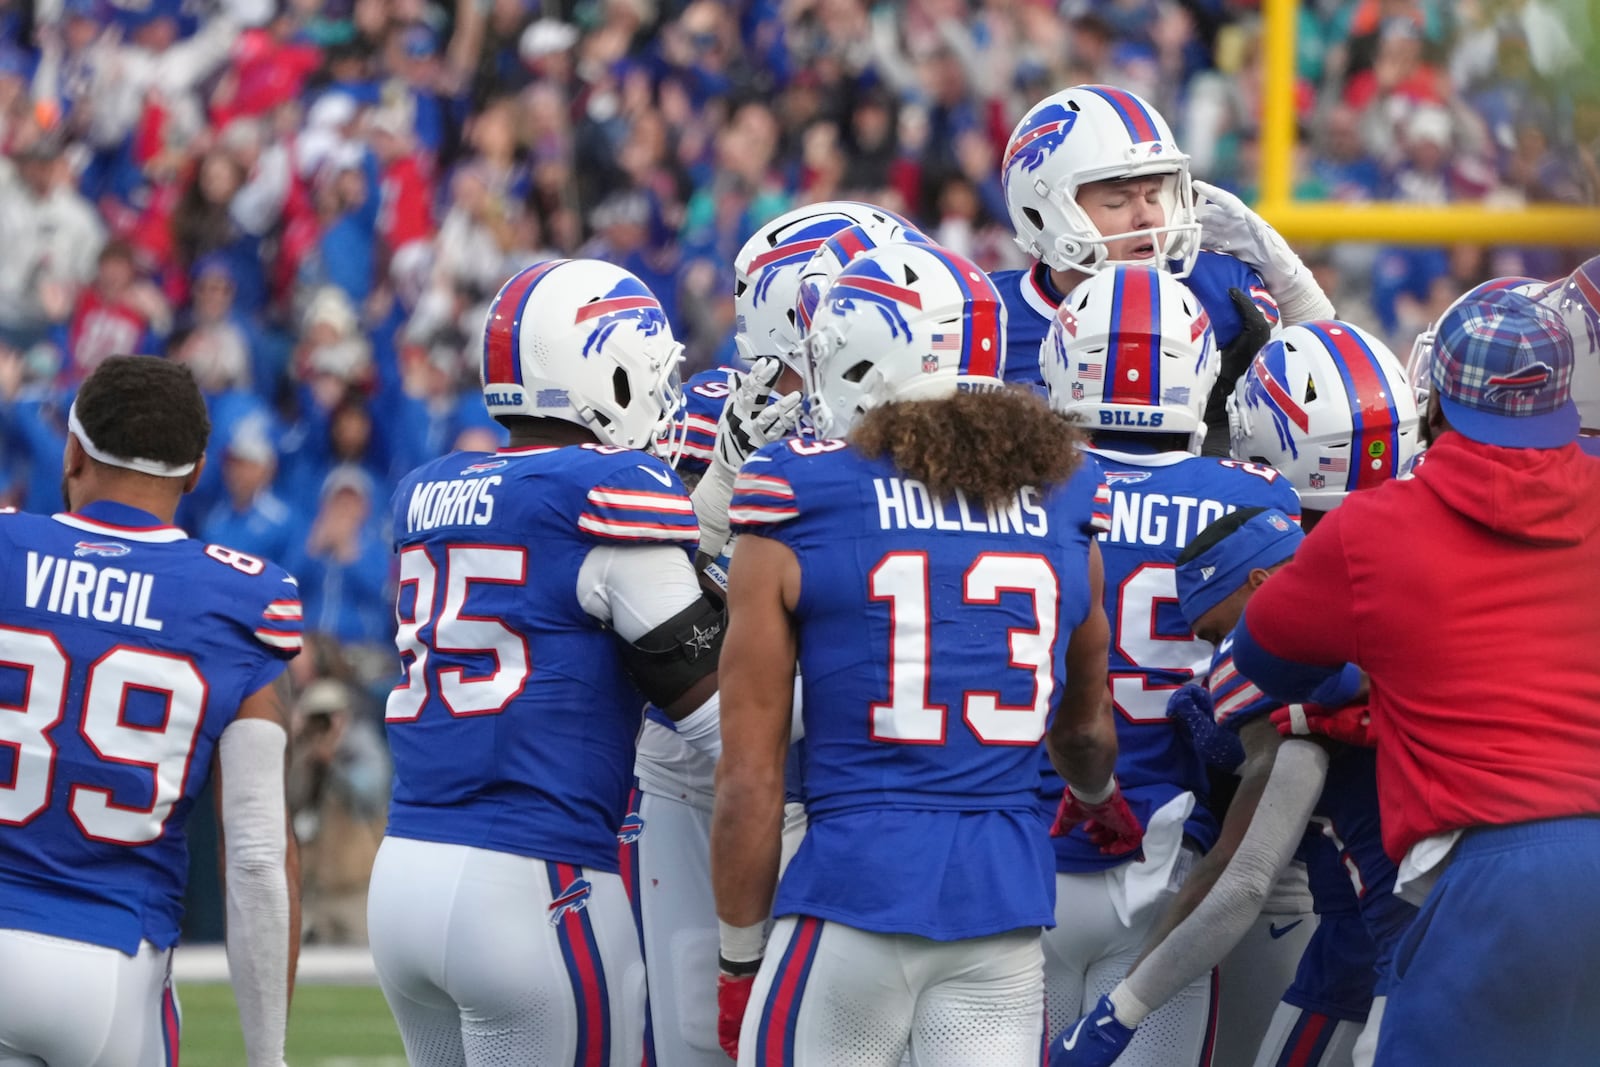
571 900
797 250
1042 133
1264 389
628 301
867 284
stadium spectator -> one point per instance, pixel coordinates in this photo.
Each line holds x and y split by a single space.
338 794
250 517
344 563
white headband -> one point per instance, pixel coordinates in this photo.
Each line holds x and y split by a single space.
143 466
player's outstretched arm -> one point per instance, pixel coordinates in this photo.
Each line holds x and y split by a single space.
261 871
1220 898
757 674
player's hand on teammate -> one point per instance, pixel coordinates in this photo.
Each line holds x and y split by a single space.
1096 1040
733 997
1228 224
1110 824
752 418
1351 724
1191 709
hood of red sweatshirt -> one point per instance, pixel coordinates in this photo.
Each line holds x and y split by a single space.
1542 496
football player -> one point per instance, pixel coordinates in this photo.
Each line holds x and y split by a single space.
547 591
933 573
1093 176
1131 352
1327 405
133 661
727 416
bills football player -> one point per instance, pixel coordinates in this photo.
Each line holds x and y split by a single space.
727 416
1328 406
1131 352
1093 176
934 575
134 660
547 591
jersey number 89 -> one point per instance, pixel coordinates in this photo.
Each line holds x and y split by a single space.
165 750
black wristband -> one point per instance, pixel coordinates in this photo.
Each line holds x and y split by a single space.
742 969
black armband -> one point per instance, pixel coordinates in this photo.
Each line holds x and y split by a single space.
666 662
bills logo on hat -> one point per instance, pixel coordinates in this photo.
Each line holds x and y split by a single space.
1533 376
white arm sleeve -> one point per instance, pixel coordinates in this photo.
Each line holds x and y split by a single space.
251 753
635 588
1211 931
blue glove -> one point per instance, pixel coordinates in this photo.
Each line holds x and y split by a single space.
1191 709
1096 1040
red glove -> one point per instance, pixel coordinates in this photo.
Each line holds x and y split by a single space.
1351 724
733 996
1111 824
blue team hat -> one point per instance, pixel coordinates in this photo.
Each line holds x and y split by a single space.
1265 539
1502 369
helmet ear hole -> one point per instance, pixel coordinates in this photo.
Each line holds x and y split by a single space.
857 372
1311 391
1035 219
621 387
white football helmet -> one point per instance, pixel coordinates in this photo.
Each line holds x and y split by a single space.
834 254
766 274
1131 351
902 322
1092 133
1328 405
585 342
1419 365
1576 298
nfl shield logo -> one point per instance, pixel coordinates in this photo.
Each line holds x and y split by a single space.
1317 480
930 364
1077 390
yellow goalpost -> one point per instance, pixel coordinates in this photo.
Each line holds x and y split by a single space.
1391 223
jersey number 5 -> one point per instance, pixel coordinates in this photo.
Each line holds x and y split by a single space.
446 628
909 717
165 749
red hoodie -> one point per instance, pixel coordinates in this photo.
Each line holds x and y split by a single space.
1471 596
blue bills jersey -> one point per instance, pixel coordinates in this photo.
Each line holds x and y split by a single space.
513 724
126 648
1031 301
932 636
1159 502
1344 846
704 395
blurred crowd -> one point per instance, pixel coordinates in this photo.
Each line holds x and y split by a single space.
310 202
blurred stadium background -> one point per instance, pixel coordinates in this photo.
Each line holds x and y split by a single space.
311 201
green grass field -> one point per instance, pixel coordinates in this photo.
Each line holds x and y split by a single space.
329 1026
